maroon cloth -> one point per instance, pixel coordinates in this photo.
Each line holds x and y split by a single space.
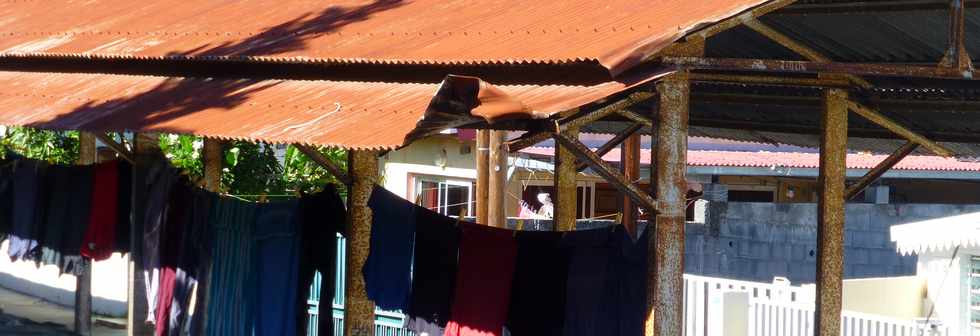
170 249
486 268
100 237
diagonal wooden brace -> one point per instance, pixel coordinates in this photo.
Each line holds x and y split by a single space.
115 146
891 125
609 173
324 162
875 173
612 143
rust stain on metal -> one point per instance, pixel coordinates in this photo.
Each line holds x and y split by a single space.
768 80
892 125
830 213
565 196
359 310
357 115
799 48
957 56
880 169
864 69
617 35
665 284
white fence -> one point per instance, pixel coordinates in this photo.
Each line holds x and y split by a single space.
774 310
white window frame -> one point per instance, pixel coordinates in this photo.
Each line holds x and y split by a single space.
442 193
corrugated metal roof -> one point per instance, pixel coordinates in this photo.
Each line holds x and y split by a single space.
348 114
616 34
718 158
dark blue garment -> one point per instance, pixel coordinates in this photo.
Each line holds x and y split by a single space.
606 288
388 270
276 264
230 311
320 217
24 222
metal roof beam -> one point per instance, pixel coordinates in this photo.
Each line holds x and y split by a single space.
797 128
734 21
783 66
768 80
880 169
869 7
892 125
799 48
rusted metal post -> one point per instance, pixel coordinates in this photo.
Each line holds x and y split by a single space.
566 190
630 166
145 147
956 54
83 281
497 181
830 213
665 295
875 173
358 309
482 174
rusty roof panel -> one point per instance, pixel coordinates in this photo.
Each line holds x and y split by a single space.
616 34
363 115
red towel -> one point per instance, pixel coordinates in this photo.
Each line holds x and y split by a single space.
486 267
100 237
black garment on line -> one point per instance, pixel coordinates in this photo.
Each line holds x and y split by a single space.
434 273
537 304
24 231
6 198
606 288
68 191
320 217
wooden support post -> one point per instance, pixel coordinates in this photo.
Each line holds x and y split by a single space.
875 173
83 281
892 125
566 189
665 248
482 174
830 213
213 155
630 167
497 181
145 146
358 309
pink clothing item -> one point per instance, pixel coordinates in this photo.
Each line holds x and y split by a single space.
486 267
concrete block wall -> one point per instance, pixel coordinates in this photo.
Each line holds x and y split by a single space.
759 241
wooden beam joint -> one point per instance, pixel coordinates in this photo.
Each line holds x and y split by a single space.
324 162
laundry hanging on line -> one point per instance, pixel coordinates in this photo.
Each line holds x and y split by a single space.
473 280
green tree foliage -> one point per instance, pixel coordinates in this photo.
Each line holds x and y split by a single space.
250 169
59 147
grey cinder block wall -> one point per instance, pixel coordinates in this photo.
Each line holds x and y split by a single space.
759 241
